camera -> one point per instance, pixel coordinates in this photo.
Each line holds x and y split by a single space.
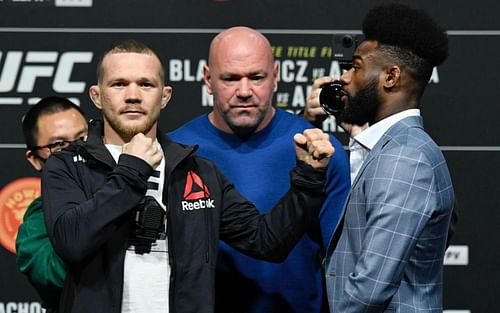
150 220
330 97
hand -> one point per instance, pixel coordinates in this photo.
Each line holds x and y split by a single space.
313 147
313 112
144 148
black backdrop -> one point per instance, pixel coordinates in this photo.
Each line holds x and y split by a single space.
51 47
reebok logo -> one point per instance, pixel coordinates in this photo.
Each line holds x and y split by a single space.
196 194
195 188
196 205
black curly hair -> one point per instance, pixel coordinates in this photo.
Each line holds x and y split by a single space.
409 36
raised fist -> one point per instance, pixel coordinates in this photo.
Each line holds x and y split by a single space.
144 148
313 147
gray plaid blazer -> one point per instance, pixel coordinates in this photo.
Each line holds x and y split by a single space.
386 254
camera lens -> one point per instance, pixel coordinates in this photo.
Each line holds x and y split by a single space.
347 41
330 97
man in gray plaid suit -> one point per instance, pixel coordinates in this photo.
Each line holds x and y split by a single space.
386 254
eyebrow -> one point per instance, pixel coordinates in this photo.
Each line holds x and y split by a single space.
357 57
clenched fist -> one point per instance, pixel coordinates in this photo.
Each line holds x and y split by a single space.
313 147
144 148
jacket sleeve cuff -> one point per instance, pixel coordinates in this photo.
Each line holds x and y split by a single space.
135 165
306 176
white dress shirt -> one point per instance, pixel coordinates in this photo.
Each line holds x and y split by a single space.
363 143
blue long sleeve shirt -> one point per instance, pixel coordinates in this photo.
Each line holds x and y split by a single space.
259 166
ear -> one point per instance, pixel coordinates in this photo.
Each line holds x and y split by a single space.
207 79
167 94
276 74
392 76
37 163
94 93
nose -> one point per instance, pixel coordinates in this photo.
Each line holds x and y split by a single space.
346 76
133 93
244 88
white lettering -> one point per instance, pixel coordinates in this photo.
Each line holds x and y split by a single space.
175 70
199 70
456 255
335 70
40 64
299 96
301 77
187 71
435 76
206 99
23 307
318 72
198 204
282 99
20 307
180 70
79 158
298 99
73 3
288 73
10 68
62 81
30 73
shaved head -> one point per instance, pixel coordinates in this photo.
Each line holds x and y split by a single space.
242 35
242 77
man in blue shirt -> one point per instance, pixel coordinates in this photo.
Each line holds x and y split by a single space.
250 140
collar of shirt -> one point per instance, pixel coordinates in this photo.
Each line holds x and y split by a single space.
357 155
370 136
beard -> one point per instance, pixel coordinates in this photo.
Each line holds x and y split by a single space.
243 129
362 106
124 129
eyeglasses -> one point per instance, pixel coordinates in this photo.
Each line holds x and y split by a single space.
56 146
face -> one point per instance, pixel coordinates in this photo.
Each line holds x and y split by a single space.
67 125
131 95
242 78
362 106
362 87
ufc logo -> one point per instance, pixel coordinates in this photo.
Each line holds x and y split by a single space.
26 68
